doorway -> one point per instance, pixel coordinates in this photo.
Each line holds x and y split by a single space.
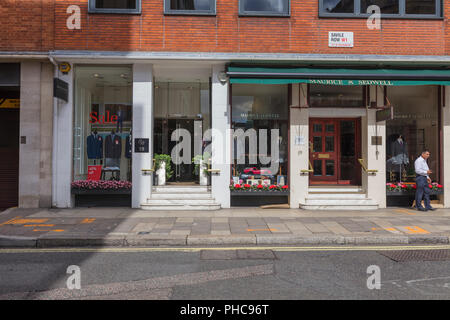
164 128
335 147
9 146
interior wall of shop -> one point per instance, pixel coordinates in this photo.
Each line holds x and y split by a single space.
35 158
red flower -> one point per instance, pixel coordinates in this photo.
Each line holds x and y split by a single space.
237 186
247 186
414 186
272 187
430 186
403 186
259 186
284 187
439 186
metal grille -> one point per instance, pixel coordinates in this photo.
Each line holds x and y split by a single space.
417 255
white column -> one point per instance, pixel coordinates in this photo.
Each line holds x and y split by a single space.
221 143
142 128
299 152
374 157
446 148
29 157
63 147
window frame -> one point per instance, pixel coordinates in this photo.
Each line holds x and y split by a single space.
93 9
244 13
401 15
212 12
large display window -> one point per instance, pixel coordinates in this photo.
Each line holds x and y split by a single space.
415 127
260 121
102 131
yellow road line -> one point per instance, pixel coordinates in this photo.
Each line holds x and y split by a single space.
9 221
405 211
197 249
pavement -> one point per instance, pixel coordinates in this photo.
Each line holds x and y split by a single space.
126 227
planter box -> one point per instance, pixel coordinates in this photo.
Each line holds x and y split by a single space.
411 192
100 192
259 193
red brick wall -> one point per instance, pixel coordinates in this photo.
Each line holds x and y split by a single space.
32 25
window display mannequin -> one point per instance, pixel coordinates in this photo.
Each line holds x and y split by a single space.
399 156
113 149
94 146
120 116
128 146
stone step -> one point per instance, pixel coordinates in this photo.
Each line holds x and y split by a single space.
180 189
181 196
340 202
337 189
181 202
173 207
336 196
339 207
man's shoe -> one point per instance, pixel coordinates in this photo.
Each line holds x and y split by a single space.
421 209
431 209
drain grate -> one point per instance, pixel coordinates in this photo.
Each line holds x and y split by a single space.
237 255
417 255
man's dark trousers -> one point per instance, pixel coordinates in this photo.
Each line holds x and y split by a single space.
423 191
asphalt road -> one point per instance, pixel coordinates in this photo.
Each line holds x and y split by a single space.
217 274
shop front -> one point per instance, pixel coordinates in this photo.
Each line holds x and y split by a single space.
102 136
342 154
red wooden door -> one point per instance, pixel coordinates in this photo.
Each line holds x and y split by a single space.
324 151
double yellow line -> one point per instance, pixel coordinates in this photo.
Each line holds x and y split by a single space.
197 249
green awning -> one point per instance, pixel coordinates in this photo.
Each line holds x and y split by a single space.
341 76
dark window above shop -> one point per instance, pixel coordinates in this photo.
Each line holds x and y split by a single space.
336 96
190 7
264 7
115 6
408 9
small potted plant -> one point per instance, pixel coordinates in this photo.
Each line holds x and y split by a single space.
163 168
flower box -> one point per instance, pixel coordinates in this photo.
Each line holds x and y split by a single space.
238 189
100 187
393 189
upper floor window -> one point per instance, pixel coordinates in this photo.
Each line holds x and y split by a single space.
388 8
115 6
205 7
264 7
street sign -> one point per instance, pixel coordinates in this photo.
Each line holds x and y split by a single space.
385 114
61 89
141 145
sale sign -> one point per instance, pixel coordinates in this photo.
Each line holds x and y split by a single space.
94 172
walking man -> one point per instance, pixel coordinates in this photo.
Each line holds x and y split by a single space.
422 181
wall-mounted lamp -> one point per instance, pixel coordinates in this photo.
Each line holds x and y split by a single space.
222 76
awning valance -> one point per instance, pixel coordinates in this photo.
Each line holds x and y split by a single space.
339 76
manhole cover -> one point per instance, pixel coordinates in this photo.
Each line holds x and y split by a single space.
237 255
417 255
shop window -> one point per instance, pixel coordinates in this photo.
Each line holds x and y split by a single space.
389 9
336 96
115 6
413 129
205 7
102 142
260 137
264 7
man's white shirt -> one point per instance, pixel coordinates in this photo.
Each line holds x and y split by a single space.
421 167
